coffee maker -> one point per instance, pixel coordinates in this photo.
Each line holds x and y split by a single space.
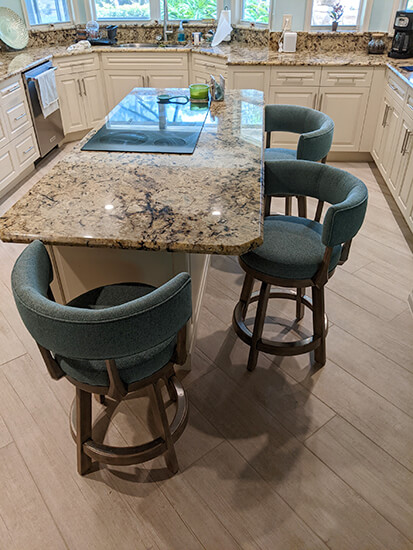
402 45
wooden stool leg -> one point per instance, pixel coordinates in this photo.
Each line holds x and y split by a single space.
170 456
288 205
299 306
267 205
302 207
258 325
319 326
83 429
246 293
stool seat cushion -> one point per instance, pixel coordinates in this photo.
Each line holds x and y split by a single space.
292 249
131 368
279 154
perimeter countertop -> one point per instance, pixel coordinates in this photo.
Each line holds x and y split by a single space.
234 54
207 202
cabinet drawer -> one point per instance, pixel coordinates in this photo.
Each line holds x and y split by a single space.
74 64
26 149
208 64
396 87
11 93
346 76
7 167
145 60
295 76
18 119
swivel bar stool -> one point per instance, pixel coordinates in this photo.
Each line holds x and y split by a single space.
299 253
316 129
110 341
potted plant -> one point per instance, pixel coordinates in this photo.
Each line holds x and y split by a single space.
336 14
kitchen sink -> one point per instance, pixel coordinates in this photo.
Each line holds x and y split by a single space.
139 45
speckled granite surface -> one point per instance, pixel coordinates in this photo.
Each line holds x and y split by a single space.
208 202
235 54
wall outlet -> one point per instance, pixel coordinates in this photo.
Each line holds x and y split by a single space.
287 22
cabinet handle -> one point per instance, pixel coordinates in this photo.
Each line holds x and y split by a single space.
405 143
315 101
409 135
393 87
148 81
16 118
321 102
84 86
385 114
80 89
28 150
10 90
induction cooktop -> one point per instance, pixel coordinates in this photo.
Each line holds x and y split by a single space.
142 123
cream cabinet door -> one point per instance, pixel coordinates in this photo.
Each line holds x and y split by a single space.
71 103
118 84
347 108
403 157
305 97
390 148
252 78
166 79
379 136
3 136
93 97
8 166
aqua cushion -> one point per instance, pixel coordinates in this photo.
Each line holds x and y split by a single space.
292 249
279 154
131 368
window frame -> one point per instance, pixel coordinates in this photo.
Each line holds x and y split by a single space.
258 25
154 14
73 16
363 19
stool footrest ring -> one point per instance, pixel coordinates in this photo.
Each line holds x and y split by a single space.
296 347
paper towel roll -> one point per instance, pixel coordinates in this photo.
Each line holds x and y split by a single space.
223 32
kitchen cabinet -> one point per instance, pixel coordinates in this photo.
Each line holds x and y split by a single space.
393 145
119 83
81 92
347 108
254 78
18 145
203 66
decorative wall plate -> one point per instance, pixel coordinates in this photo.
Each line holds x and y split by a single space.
13 31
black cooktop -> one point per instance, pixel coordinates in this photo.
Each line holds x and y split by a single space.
142 123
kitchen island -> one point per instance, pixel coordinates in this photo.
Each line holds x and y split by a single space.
115 216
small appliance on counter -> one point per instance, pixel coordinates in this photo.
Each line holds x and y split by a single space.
402 45
111 39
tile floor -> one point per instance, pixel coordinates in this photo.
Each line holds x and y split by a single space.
278 459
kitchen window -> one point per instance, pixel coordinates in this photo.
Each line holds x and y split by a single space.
192 10
321 11
122 9
47 12
256 11
409 5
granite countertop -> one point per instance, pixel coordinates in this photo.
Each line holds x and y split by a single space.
207 202
234 54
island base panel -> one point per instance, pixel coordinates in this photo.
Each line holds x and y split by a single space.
79 269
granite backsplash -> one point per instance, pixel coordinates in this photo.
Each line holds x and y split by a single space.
314 42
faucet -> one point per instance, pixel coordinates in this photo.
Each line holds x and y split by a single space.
165 21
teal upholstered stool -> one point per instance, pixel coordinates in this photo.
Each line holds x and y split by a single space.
316 131
110 341
299 253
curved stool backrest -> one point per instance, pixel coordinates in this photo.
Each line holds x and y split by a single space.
315 127
96 334
346 194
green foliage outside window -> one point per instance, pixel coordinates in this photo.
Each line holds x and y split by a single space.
191 9
122 9
256 10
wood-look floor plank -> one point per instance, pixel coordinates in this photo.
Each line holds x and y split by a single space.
293 405
329 506
375 417
385 276
382 375
378 334
251 511
22 508
10 345
5 435
380 479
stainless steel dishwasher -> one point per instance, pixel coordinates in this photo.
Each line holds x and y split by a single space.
49 131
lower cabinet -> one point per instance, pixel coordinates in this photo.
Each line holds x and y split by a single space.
347 107
254 78
304 97
82 100
15 157
119 83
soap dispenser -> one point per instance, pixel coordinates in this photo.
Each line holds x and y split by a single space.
181 33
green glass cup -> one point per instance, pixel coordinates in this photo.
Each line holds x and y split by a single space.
199 91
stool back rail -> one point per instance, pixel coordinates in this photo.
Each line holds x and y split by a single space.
347 196
108 335
316 131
